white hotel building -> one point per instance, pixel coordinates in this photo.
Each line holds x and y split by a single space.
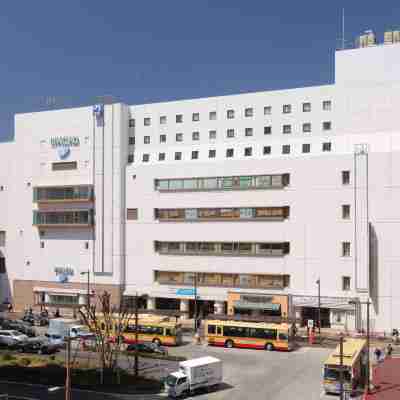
255 196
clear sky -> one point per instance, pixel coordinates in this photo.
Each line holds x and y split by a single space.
149 51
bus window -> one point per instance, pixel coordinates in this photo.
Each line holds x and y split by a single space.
169 331
283 336
236 331
219 330
211 329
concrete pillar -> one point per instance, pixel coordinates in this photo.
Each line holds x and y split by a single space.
219 307
151 303
184 308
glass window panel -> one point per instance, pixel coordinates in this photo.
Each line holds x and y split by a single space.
175 184
190 184
162 184
190 213
245 248
246 213
192 247
229 213
208 213
245 182
277 180
227 247
263 181
227 182
210 183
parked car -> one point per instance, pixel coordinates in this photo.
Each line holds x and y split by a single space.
20 326
55 340
147 348
39 345
35 319
10 338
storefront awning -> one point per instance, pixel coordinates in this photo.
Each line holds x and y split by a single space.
256 306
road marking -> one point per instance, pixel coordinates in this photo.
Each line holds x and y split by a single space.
54 388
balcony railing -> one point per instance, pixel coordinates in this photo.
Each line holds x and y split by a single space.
63 194
63 218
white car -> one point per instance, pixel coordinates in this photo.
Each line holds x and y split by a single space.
11 338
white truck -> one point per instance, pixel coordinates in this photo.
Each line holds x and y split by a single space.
68 327
198 373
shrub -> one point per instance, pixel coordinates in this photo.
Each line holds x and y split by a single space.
8 357
24 361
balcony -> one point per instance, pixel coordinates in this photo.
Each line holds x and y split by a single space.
70 218
63 194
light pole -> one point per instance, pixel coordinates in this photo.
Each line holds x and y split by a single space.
319 306
88 286
195 302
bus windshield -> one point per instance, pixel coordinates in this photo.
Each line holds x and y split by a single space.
171 380
334 374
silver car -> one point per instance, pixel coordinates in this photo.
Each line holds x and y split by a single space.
11 338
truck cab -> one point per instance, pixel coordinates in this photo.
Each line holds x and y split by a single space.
176 384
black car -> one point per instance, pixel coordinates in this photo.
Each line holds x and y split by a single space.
147 348
34 319
39 345
19 326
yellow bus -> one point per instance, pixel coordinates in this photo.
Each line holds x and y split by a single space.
257 335
355 355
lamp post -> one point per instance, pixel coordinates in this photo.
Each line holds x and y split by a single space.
319 305
195 302
88 286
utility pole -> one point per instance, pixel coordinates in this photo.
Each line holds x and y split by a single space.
341 369
319 306
136 336
68 370
368 349
88 286
195 302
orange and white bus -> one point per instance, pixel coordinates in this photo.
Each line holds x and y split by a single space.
257 335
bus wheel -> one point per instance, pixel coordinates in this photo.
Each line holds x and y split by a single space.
229 344
157 342
269 347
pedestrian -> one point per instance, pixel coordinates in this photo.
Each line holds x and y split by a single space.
378 354
389 350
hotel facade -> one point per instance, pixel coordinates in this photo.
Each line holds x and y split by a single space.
251 203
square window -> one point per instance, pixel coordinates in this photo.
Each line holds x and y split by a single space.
230 133
195 155
146 157
163 138
287 108
327 146
345 177
163 120
287 129
179 137
161 156
42 245
267 110
286 149
178 155
131 158
345 283
212 135
266 150
346 211
131 140
248 151
306 107
307 127
86 245
147 121
179 118
345 249
230 114
327 125
248 132
212 153
195 117
326 105
267 130
229 153
131 123
212 115
196 136
146 139
306 148
248 112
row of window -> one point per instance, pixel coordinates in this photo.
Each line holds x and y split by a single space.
76 193
223 248
254 281
231 133
230 113
224 183
222 214
245 332
81 217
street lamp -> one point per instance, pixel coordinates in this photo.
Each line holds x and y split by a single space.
88 286
319 305
195 302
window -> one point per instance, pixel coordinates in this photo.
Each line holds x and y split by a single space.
286 149
248 112
63 166
326 105
163 138
211 153
146 139
147 122
161 156
131 158
248 132
326 146
307 127
345 283
131 123
179 137
229 153
196 136
248 151
146 157
230 114
345 249
287 109
195 117
179 118
212 115
86 245
131 213
306 107
306 147
266 150
163 120
178 156
345 177
131 140
267 110
42 245
212 135
230 133
195 155
287 129
327 125
346 211
267 130
211 329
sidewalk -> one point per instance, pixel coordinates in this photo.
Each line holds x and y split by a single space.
386 380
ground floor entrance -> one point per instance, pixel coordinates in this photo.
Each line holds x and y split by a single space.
311 313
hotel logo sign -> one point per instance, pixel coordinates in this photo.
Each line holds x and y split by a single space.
63 145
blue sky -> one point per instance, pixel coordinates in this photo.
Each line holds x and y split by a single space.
148 51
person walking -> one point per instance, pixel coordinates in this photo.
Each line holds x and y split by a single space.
389 350
378 354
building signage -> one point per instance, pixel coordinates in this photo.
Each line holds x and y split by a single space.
63 273
329 302
185 292
64 141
